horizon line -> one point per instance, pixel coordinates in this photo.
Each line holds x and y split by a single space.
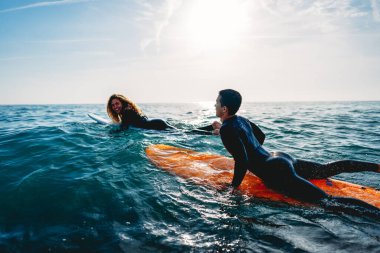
196 102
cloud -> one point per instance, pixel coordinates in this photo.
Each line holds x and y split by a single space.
334 8
42 4
72 41
319 16
160 17
16 58
375 10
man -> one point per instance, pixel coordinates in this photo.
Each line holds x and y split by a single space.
277 170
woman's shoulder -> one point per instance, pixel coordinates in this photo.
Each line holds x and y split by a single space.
132 114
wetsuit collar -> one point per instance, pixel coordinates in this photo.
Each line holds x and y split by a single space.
230 118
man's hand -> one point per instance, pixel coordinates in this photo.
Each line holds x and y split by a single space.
229 188
216 125
216 132
235 190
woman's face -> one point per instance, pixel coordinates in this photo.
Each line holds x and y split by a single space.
116 105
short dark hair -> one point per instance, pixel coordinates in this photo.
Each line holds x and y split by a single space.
230 99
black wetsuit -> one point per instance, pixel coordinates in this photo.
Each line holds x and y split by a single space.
260 136
277 170
132 118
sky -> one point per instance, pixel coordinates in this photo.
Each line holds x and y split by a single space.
170 51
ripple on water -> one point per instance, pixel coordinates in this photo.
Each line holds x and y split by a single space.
70 184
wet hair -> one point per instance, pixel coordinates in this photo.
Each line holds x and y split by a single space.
230 99
125 103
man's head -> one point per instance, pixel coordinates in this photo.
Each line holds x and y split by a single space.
227 103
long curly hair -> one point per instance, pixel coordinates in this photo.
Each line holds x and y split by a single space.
126 103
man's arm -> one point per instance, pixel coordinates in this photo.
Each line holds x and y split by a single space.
233 143
260 136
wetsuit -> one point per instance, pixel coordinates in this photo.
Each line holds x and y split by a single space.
260 136
313 170
277 170
132 118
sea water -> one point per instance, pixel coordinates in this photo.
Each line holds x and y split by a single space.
69 184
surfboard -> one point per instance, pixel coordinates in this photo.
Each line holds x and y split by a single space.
99 119
216 170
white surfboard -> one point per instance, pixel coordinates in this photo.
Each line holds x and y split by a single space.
99 119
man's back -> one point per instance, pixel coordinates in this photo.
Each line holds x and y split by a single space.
237 137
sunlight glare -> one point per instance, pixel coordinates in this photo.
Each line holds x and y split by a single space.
216 24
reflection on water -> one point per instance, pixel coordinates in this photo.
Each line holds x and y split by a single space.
69 184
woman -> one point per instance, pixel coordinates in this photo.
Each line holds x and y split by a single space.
122 110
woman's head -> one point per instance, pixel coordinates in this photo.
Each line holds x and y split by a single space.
117 104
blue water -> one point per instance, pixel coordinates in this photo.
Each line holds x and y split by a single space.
70 185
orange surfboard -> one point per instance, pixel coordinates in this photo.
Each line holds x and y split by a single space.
216 170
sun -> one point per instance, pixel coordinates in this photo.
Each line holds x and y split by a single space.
216 24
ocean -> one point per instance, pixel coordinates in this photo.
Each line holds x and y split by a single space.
69 184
